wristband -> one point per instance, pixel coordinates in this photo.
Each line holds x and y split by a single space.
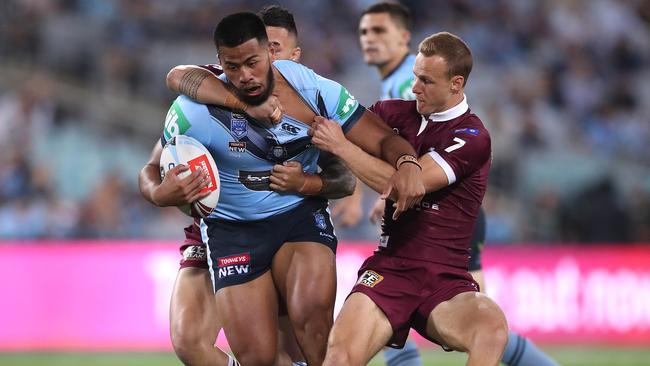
312 185
406 158
233 102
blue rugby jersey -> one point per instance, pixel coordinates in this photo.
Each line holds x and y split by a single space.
245 150
398 84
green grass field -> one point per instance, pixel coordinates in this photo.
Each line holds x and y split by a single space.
565 356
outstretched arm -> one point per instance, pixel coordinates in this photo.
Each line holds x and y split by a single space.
204 87
372 171
371 135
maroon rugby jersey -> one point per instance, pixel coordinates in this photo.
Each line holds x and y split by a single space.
440 229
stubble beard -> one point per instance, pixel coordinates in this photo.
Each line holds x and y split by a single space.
258 99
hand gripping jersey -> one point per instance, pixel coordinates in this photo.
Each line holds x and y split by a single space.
245 151
440 229
398 84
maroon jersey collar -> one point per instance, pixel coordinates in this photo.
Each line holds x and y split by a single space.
444 116
451 113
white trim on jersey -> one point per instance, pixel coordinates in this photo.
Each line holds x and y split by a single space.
204 238
423 125
451 113
451 176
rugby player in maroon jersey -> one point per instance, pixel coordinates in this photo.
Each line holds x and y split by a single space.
418 278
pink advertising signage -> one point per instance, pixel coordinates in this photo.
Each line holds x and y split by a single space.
115 295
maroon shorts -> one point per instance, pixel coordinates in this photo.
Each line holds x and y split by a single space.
407 290
193 250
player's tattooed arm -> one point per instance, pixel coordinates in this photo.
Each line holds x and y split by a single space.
334 181
191 81
338 181
204 87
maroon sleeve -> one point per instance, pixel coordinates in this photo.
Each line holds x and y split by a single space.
192 235
464 150
213 68
376 108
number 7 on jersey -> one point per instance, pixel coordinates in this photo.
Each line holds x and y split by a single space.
458 144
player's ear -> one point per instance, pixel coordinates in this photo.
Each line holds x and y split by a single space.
272 52
406 36
456 83
295 54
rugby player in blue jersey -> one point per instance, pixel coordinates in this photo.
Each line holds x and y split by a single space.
283 231
194 321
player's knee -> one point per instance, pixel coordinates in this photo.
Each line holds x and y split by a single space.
492 332
496 335
312 317
186 341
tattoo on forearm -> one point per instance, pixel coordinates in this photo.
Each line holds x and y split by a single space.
191 81
338 181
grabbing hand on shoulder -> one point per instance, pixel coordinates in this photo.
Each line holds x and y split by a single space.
328 135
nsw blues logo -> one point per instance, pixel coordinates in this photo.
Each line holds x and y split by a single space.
320 220
239 127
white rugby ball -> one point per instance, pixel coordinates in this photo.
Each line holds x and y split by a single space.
188 151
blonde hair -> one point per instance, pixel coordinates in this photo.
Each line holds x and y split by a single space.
452 49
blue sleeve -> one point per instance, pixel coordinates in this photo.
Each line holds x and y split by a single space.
186 117
339 104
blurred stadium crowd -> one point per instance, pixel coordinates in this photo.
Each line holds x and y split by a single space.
563 86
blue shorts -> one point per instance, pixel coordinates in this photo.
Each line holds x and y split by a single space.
241 251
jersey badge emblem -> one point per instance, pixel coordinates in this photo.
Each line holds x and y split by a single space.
238 127
370 278
467 131
320 220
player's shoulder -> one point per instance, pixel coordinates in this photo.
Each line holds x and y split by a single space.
185 103
470 128
289 64
189 110
390 108
294 71
472 124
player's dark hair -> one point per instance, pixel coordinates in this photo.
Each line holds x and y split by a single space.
238 28
452 49
277 16
399 13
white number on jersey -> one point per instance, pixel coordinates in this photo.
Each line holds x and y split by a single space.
458 144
